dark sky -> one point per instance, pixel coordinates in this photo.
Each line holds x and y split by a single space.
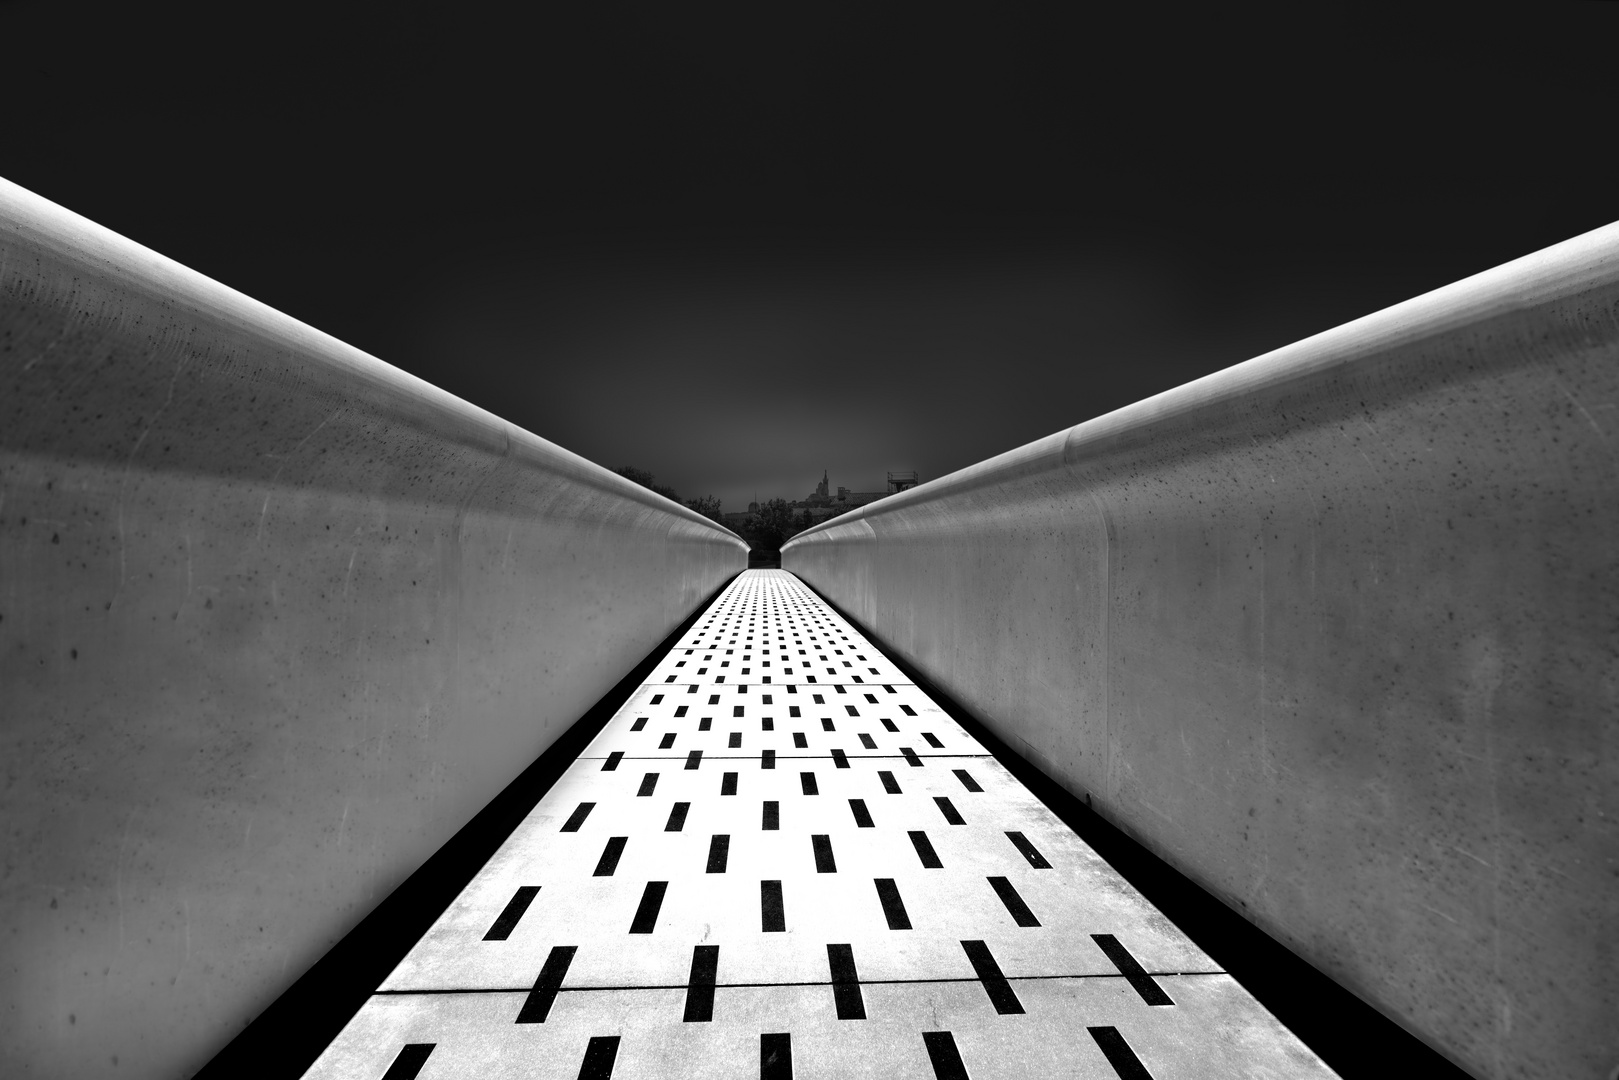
737 244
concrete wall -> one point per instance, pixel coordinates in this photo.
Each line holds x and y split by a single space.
1336 633
275 620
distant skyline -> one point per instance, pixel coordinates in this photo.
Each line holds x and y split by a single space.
796 496
737 247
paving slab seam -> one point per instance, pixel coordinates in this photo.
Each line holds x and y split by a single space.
807 982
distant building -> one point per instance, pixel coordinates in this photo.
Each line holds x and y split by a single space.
820 496
845 499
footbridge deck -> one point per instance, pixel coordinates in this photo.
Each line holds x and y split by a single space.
780 858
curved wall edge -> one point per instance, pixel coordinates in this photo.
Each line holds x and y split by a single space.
276 619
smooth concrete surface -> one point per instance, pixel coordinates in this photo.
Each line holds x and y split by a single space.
1333 632
275 620
768 687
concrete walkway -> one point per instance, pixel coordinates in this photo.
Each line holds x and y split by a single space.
780 859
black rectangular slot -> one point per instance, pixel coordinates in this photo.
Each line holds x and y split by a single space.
1141 982
776 1056
890 785
694 758
735 741
677 817
862 816
513 912
728 784
852 710
989 973
767 724
772 915
1118 1053
719 853
824 863
640 722
705 962
893 906
890 725
840 759
806 780
767 760
799 741
924 850
910 757
1030 852
667 741
577 818
948 809
646 914
681 710
772 816
611 764
537 1006
705 723
845 983
907 710
826 724
942 1052
610 856
600 1054
736 710
409 1061
867 741
1014 903
649 783
933 741
967 780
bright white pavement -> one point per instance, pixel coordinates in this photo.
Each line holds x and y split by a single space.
780 859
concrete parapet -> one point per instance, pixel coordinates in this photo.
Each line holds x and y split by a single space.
1333 632
275 620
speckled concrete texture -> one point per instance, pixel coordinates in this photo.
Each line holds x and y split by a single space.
1333 632
275 620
